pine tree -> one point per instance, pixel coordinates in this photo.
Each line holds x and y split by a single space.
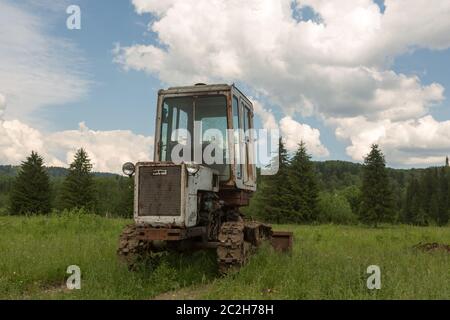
304 188
274 190
446 162
377 198
31 189
78 189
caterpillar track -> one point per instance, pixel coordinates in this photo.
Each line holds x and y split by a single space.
237 241
132 248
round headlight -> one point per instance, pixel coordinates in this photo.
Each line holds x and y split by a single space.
128 169
192 168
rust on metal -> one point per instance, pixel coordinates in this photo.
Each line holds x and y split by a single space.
235 197
148 233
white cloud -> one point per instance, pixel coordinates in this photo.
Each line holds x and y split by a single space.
402 141
294 132
267 117
36 69
156 6
17 140
337 68
2 105
108 150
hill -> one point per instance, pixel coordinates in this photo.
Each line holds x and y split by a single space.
11 171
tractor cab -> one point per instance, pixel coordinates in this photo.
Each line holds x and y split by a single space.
209 125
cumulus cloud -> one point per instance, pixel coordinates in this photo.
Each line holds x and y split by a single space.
335 68
402 141
292 131
108 150
36 69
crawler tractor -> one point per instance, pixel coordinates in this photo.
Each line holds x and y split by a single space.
195 204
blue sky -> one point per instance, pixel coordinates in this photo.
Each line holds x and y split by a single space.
123 97
118 99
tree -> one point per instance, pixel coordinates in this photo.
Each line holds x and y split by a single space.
125 205
31 189
446 162
377 198
274 204
413 210
78 189
334 208
444 197
304 189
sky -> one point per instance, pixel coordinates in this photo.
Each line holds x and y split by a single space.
339 75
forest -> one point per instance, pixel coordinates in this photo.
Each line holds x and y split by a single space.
105 194
302 192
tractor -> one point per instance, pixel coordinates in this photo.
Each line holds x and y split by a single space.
203 173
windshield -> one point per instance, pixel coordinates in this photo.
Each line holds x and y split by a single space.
177 131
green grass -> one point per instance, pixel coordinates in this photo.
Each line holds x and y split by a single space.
327 262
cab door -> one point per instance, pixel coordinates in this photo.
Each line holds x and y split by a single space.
248 145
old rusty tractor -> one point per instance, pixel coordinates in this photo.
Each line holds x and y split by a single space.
183 201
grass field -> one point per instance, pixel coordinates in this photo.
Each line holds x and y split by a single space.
327 262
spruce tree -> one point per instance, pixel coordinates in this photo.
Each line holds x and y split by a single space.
377 198
78 189
274 190
31 189
304 188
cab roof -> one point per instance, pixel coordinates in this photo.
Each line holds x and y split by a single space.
201 87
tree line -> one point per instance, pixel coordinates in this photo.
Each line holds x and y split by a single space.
341 192
31 191
302 191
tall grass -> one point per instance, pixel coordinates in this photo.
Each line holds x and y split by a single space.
36 251
327 262
330 262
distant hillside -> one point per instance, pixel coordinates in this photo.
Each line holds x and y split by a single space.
11 171
337 174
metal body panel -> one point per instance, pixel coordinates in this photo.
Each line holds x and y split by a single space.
187 214
170 234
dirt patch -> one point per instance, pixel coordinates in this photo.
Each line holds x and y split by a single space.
55 289
432 247
188 293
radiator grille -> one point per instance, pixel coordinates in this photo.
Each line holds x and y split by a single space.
159 191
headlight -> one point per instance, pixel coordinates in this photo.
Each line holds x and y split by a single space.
192 168
128 169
